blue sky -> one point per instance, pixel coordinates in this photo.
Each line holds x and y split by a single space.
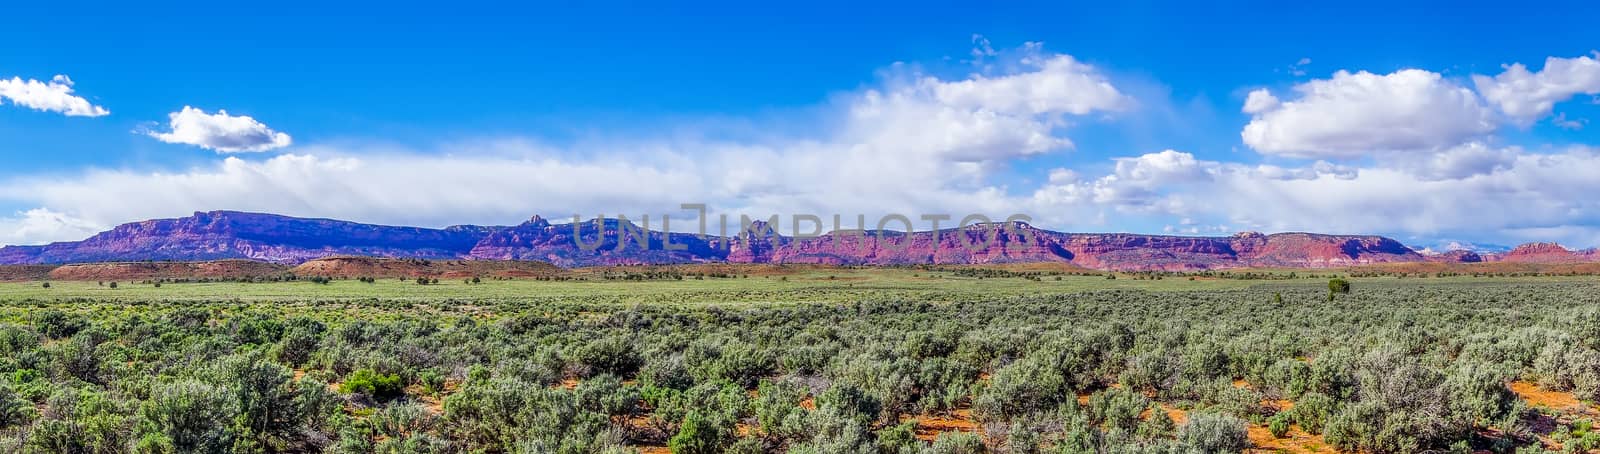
1085 117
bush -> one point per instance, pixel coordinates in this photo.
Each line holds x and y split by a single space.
56 324
697 436
956 443
187 416
372 383
14 410
1278 425
1214 433
1312 411
1338 286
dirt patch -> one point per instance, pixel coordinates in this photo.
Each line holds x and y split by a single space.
23 273
1295 441
1556 400
133 271
1177 415
1566 409
930 426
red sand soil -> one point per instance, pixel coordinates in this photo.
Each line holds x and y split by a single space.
1567 407
930 426
568 384
1555 400
220 269
23 273
1296 441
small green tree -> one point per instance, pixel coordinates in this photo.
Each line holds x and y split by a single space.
1339 286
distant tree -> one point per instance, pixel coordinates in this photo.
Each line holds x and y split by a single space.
113 285
1339 286
47 285
476 280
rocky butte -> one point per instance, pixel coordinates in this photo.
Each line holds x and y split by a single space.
288 240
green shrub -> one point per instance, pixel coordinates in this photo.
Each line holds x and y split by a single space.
1214 433
187 416
1338 286
372 383
1278 425
696 435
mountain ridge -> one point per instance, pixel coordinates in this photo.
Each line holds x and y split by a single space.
219 235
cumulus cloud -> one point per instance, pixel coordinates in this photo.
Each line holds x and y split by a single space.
1509 193
1260 100
1464 161
1475 189
220 132
1526 97
41 225
1352 115
982 117
916 144
53 96
1162 182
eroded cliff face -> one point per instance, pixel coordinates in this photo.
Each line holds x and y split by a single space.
228 234
287 240
1544 253
611 242
985 244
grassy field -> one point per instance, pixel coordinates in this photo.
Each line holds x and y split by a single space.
867 361
803 286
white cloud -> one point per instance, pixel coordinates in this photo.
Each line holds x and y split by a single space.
1478 193
915 144
220 132
1260 100
1463 161
40 225
53 96
1562 122
983 117
1299 67
1358 114
1526 96
1474 190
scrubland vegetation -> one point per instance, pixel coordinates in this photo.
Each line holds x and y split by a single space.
812 365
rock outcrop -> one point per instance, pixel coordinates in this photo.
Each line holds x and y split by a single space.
287 240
